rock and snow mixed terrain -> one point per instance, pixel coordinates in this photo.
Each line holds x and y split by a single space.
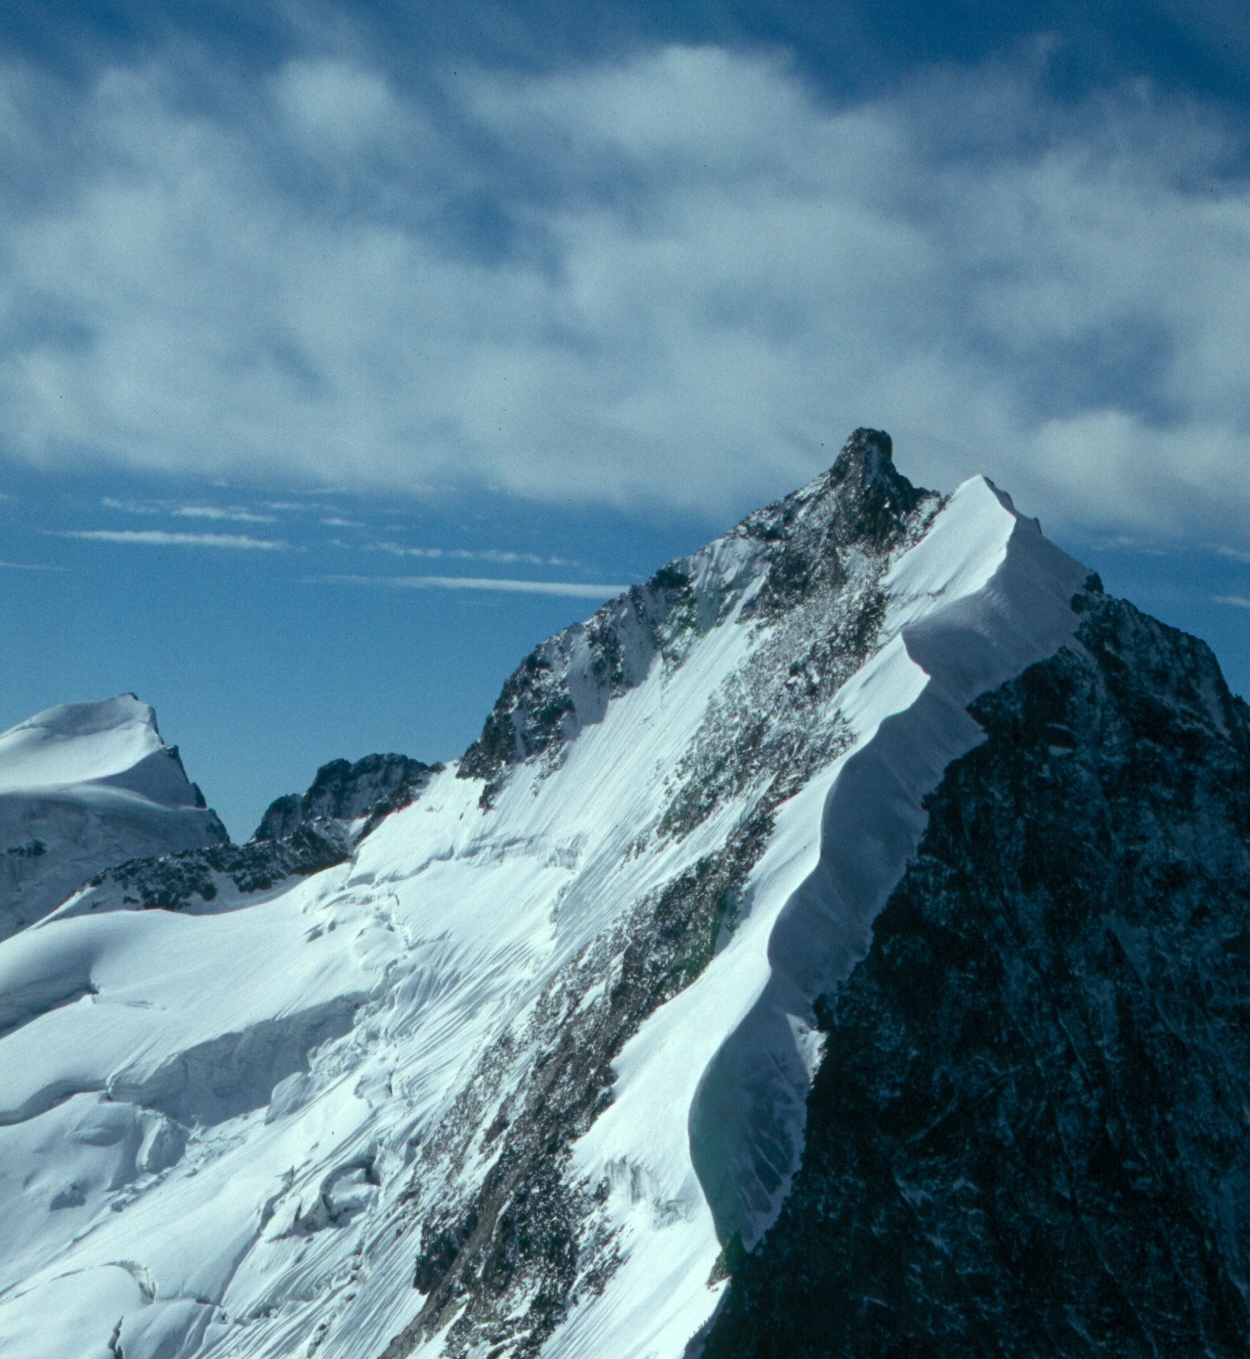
513 1056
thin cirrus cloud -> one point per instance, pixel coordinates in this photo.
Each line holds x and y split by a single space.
571 589
467 554
236 516
159 538
1238 601
228 514
676 279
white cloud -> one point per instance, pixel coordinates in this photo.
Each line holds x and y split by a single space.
677 280
234 515
334 109
216 512
31 566
1240 601
465 554
525 587
158 538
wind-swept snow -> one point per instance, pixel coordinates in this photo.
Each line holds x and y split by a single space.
239 1133
82 787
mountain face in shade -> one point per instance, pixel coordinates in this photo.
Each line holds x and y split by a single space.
82 787
836 945
1029 1132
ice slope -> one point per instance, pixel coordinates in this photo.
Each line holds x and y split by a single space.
235 1134
82 787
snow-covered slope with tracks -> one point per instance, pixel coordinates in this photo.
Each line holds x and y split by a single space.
541 1044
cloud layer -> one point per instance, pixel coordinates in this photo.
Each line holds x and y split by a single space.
575 590
677 280
160 538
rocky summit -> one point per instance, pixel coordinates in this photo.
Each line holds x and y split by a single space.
837 945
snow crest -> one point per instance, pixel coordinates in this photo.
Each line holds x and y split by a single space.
746 1118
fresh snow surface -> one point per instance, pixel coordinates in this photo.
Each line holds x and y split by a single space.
83 787
208 1122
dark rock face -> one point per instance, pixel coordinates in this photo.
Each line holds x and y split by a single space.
863 502
1030 1135
171 881
342 791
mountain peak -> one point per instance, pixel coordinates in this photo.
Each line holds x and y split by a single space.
865 468
84 786
868 451
77 742
793 553
777 901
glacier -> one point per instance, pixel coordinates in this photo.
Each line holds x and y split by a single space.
524 1069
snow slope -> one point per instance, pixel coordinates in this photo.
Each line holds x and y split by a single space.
545 1037
82 787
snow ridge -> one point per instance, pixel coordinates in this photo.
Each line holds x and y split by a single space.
746 1120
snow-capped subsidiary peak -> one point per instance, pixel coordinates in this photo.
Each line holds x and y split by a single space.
84 786
78 743
527 1072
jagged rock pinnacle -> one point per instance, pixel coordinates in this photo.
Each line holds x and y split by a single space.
872 492
869 450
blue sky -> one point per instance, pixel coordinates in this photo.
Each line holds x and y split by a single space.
297 296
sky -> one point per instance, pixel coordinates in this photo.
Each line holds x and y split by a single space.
346 351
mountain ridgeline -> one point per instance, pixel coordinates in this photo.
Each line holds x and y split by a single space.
805 547
299 834
838 945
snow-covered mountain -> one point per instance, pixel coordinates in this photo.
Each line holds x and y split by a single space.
545 1051
82 787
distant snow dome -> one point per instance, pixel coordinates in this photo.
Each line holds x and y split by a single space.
78 742
84 786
